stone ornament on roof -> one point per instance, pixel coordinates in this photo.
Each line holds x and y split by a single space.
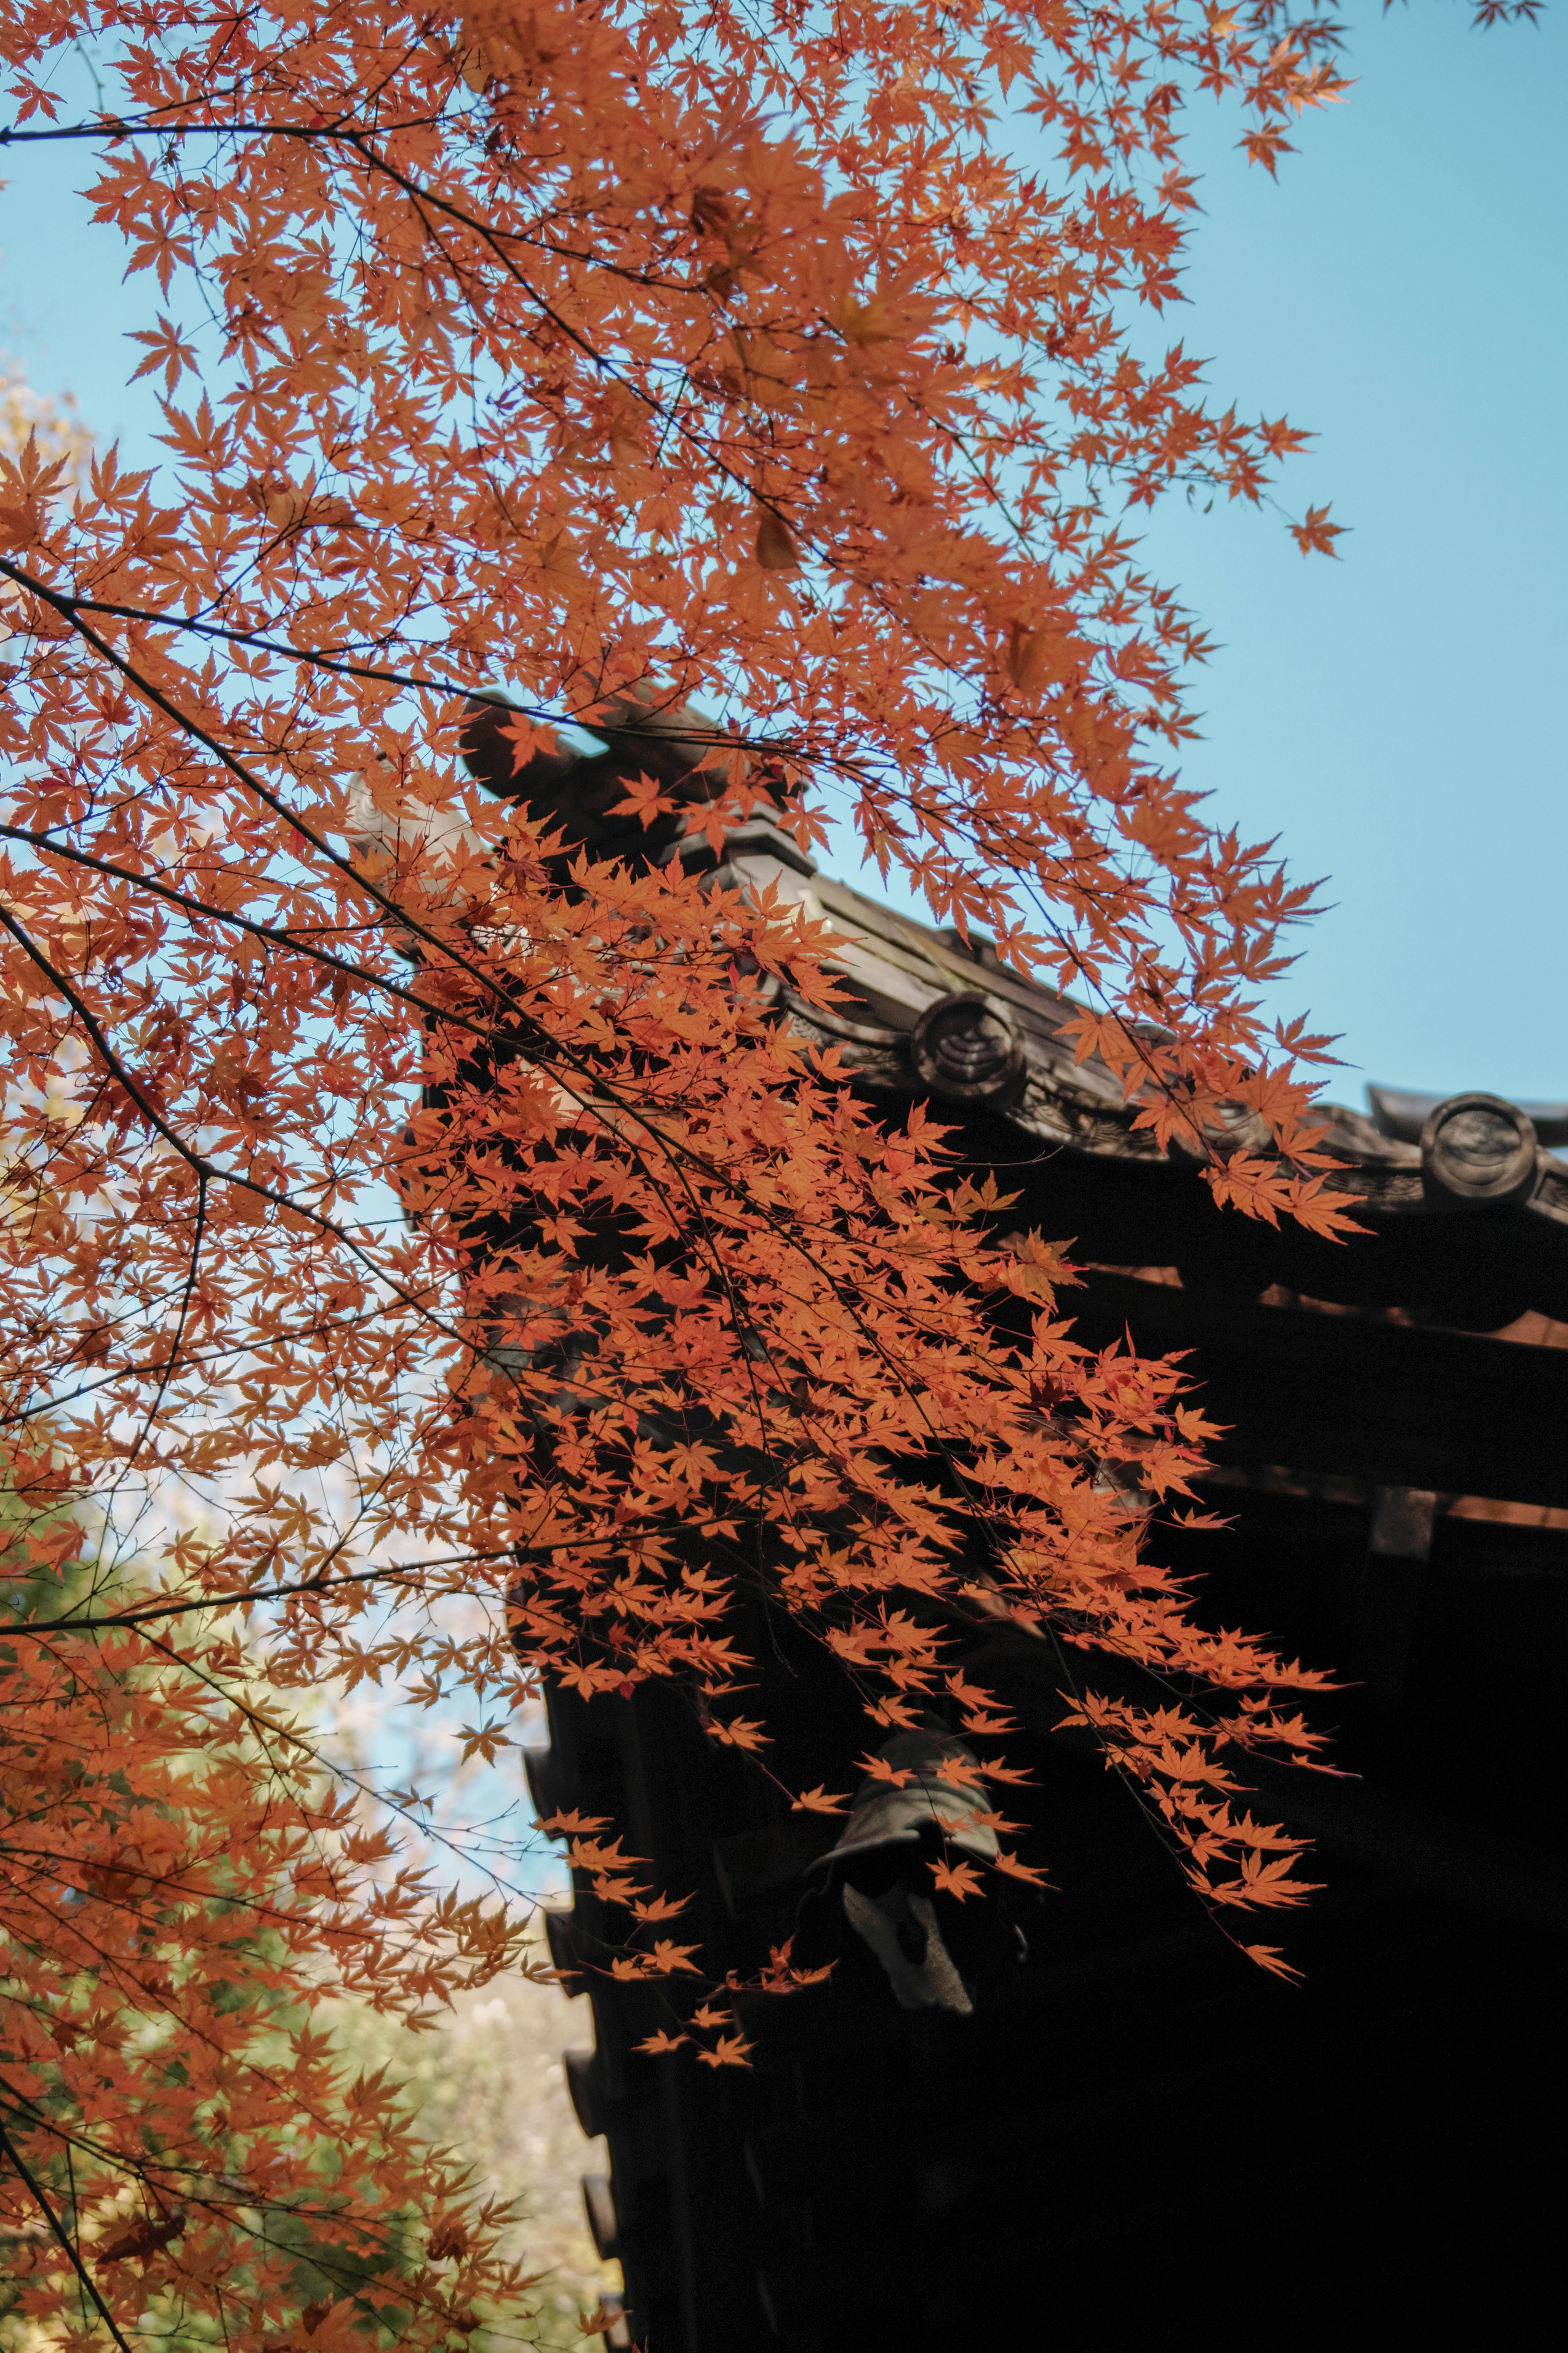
925 1012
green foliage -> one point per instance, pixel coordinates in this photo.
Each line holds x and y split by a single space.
487 2086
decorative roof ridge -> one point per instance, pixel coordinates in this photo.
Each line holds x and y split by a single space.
926 1013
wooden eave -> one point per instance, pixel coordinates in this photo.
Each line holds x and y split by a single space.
1478 1262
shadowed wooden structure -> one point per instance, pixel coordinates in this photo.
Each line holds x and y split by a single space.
1138 2135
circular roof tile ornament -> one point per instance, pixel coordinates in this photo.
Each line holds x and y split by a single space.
1478 1151
965 1048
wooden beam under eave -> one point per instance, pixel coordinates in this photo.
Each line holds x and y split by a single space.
1355 1395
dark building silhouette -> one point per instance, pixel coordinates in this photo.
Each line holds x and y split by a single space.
1135 2137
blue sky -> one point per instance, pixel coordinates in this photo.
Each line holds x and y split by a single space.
1395 716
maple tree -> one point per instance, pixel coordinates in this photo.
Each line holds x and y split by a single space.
769 364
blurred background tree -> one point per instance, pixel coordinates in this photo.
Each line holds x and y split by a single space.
484 2084
60 430
489 2083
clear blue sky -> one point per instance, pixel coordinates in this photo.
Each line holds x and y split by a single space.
1395 717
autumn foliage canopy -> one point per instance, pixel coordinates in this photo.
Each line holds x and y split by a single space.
774 363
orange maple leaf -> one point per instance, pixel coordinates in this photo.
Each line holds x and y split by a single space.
144 2237
730 2050
660 1907
1317 534
1017 1869
655 2045
960 1879
817 1800
776 550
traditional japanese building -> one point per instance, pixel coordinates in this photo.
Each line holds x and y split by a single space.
1138 2137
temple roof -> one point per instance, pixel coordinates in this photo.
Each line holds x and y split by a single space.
1461 1204
928 1015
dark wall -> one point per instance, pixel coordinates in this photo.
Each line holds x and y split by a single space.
1141 2138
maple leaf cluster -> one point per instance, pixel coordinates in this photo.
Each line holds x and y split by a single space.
179 1885
454 1222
